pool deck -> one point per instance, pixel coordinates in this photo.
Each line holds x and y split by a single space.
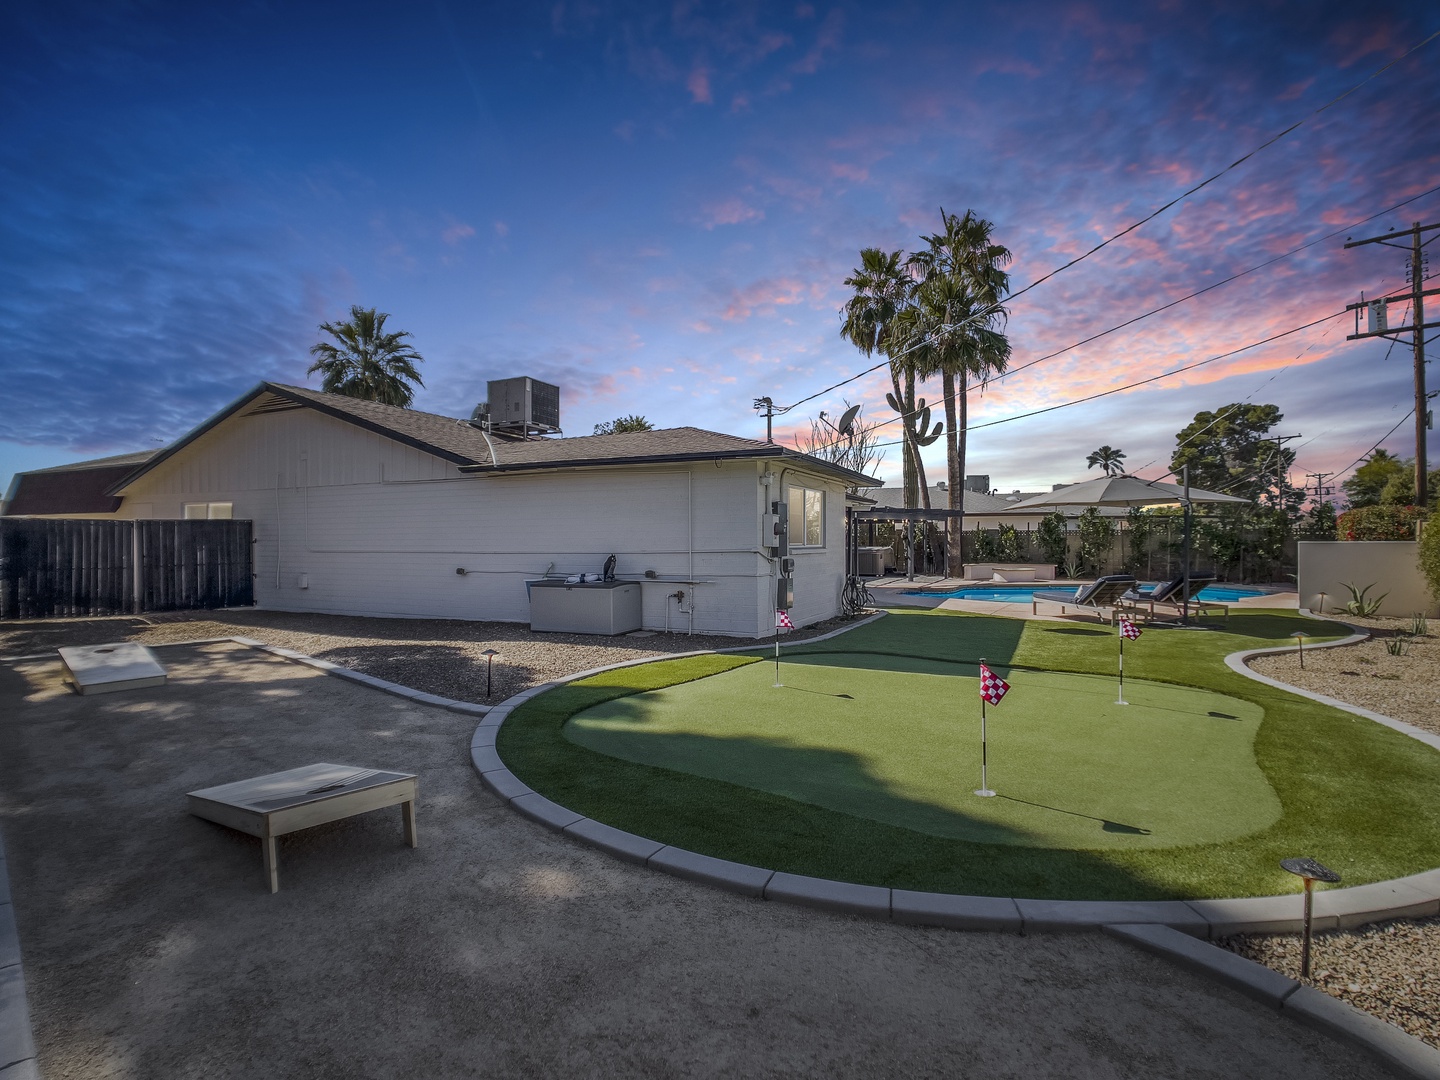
891 591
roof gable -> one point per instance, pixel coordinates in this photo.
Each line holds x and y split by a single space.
476 451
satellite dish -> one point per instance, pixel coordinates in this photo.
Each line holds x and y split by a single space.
847 421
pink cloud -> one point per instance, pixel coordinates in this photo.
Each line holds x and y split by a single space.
501 229
764 296
456 231
827 40
732 211
698 83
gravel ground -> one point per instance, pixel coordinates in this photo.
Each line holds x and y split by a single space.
1389 969
434 655
1406 687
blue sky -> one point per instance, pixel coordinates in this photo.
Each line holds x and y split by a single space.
655 206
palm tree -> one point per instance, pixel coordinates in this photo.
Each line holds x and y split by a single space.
882 290
958 311
1107 458
367 363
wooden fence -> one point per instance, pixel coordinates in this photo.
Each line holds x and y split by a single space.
57 567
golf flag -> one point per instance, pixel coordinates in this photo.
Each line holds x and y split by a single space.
782 620
992 687
1128 629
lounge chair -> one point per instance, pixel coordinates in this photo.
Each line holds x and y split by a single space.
1101 593
1170 599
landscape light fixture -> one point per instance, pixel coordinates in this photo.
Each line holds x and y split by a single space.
1299 636
489 655
1322 604
1311 871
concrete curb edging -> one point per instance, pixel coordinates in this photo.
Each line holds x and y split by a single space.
17 1039
1417 896
1238 662
1175 929
1339 1019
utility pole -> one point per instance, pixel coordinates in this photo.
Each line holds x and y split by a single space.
1377 325
767 406
1321 489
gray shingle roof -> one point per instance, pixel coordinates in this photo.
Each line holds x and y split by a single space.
469 448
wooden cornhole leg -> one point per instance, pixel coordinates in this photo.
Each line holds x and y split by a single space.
407 815
272 862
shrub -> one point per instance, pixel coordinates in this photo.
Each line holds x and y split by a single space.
1052 537
1430 554
1379 523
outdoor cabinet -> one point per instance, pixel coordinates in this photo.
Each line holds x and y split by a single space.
597 607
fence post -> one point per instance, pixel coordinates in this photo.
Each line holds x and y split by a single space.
137 577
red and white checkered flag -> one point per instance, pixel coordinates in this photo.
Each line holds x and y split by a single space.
782 620
1128 629
992 687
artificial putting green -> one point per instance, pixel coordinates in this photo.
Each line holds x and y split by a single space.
1355 794
1073 768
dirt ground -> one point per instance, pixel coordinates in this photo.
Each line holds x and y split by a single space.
438 656
497 948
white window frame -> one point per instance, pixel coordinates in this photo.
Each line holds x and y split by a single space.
799 523
215 511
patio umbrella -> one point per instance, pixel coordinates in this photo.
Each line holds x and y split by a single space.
1131 491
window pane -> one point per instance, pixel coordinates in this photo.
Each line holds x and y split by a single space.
196 510
795 500
814 518
222 510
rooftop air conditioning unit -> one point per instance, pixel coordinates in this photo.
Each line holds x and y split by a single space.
524 406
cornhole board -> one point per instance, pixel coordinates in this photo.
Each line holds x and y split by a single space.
101 669
284 802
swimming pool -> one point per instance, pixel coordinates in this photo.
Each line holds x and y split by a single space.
1022 594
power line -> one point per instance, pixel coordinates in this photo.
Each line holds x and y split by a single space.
1162 375
1234 164
1376 446
1133 385
1128 322
1208 288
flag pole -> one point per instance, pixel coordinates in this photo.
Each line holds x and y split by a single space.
984 791
1120 697
777 655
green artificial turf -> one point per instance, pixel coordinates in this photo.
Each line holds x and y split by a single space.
1351 792
1073 768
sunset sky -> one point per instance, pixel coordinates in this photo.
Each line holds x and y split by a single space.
655 206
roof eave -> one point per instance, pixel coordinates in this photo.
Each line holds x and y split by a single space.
747 454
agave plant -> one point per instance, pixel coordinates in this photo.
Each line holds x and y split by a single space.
1419 627
1360 602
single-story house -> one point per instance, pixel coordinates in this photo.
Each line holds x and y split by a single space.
986 510
80 489
367 509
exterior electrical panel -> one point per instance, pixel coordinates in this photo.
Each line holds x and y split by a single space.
777 528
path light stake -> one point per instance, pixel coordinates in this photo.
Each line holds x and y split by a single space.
1322 604
1299 636
1311 871
489 655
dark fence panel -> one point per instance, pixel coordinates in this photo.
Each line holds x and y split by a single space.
59 567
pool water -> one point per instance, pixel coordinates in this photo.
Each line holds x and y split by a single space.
1022 594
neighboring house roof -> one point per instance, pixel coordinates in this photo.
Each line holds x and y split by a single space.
980 502
976 502
81 487
471 450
